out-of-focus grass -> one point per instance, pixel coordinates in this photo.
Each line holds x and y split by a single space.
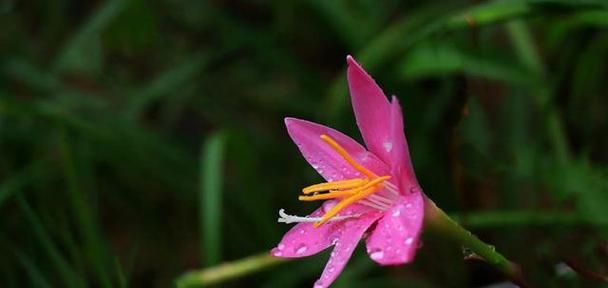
211 212
105 107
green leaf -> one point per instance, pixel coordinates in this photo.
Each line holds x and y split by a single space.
440 59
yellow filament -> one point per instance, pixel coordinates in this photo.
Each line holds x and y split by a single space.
343 204
350 190
347 156
336 185
359 193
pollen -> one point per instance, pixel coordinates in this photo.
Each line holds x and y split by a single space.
349 191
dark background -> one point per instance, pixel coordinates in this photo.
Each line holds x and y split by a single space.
143 139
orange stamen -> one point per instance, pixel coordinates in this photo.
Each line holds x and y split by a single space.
336 185
350 190
347 156
360 193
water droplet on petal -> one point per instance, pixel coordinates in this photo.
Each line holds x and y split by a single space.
319 284
277 253
388 146
281 246
376 254
396 213
409 240
301 249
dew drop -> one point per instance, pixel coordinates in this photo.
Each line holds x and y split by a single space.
376 254
319 284
388 146
409 240
281 246
334 241
396 213
277 253
301 249
331 269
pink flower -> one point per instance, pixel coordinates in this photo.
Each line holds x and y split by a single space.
371 190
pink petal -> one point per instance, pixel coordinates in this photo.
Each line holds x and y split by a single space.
304 240
345 244
395 238
400 161
371 108
323 158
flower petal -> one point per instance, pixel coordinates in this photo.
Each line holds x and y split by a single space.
307 136
304 240
395 238
400 161
345 244
371 108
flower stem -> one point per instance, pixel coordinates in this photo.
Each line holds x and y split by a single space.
228 270
252 264
437 221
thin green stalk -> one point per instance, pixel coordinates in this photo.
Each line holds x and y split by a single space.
437 221
83 213
66 272
229 270
210 198
242 267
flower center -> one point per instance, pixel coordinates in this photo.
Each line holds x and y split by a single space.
372 190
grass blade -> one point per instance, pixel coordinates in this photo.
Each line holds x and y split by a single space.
68 274
87 33
211 198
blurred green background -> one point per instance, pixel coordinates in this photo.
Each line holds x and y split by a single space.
142 139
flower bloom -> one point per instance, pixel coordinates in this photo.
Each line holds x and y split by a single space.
371 190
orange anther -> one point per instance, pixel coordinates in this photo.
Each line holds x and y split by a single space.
358 194
336 185
340 150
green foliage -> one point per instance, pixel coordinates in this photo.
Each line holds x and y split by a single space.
136 136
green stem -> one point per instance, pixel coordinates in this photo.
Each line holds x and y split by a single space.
437 221
229 270
242 267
